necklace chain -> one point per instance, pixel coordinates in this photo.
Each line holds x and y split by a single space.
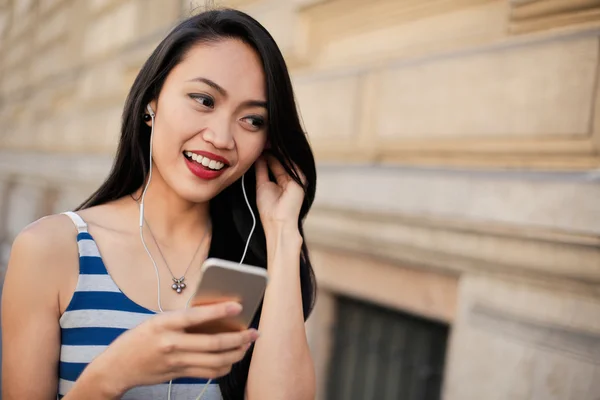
178 283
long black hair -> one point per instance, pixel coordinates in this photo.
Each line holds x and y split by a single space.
229 212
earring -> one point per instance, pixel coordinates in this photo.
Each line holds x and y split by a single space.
147 117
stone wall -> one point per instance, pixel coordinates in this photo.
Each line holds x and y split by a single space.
458 144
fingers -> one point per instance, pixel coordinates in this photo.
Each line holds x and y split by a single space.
215 343
207 356
180 320
213 361
204 373
262 173
281 175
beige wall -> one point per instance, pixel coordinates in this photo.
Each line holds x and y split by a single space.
459 160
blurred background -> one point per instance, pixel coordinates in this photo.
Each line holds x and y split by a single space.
456 232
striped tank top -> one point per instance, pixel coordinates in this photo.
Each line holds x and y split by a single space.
97 314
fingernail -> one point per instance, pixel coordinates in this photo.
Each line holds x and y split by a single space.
254 334
234 308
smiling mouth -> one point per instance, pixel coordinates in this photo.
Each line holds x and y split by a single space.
205 162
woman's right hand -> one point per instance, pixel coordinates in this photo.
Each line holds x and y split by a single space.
160 349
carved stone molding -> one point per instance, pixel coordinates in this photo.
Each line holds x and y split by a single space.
426 293
458 247
538 224
536 15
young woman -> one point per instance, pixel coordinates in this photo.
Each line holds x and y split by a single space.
210 135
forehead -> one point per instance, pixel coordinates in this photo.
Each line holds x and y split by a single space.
230 63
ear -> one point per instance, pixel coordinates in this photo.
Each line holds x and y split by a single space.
153 106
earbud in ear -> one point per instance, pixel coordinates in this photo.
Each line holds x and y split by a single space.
148 117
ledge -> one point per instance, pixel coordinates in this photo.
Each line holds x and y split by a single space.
536 15
459 246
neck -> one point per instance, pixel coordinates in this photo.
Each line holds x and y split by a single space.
171 217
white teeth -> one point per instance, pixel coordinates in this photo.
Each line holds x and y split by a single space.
205 161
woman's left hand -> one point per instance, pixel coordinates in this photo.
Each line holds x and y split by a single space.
278 202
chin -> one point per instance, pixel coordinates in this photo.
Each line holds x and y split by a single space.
198 195
201 192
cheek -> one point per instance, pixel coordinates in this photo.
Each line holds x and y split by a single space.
177 124
166 146
250 146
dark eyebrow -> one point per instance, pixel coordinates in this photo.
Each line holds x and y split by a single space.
255 103
214 85
211 84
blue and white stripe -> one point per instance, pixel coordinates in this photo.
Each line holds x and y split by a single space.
98 313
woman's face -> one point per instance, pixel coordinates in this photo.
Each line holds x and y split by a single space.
211 119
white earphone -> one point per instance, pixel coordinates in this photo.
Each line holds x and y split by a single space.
141 224
150 110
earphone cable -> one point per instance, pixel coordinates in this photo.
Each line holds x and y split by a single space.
141 224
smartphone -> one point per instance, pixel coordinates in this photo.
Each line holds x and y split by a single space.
223 280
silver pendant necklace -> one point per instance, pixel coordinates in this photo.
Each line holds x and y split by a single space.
178 283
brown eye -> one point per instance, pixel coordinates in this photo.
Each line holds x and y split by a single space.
255 122
204 100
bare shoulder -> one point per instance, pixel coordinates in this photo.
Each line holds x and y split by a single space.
48 236
45 251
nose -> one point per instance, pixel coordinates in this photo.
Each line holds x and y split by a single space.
219 135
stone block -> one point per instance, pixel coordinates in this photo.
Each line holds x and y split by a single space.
71 196
51 28
329 106
46 5
539 15
23 7
4 188
23 16
519 341
385 30
509 92
4 19
15 79
279 18
97 5
63 169
24 202
93 130
112 30
112 127
16 53
4 256
157 19
50 61
558 202
101 80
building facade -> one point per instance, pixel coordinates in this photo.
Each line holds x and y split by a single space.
456 232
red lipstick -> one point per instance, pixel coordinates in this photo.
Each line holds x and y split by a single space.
200 170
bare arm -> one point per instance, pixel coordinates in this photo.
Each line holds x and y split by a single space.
282 366
30 315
